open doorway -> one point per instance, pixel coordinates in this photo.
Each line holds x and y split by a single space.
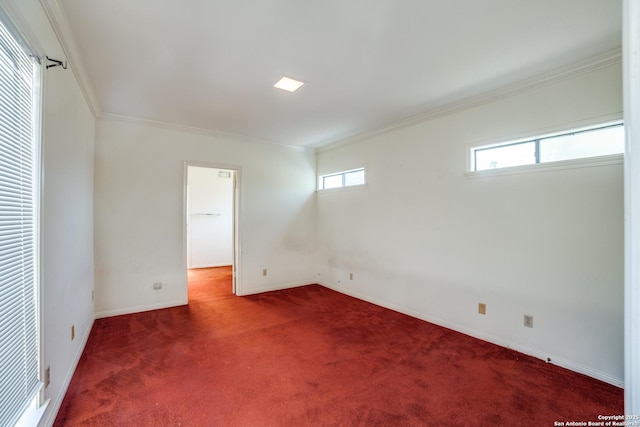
211 230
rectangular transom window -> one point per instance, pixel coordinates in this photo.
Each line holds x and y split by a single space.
594 141
341 179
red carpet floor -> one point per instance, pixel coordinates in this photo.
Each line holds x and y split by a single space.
311 357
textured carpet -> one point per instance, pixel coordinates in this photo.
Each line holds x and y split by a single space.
311 357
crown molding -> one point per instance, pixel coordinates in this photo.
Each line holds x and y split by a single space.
200 131
58 19
20 24
576 69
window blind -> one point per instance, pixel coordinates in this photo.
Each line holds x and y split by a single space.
18 306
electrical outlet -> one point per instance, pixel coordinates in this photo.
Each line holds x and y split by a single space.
157 286
47 376
482 308
264 271
73 332
528 321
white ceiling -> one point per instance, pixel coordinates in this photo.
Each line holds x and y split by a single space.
211 64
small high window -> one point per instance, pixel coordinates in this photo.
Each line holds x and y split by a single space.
595 141
341 179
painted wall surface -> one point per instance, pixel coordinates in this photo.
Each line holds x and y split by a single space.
67 228
209 217
425 239
139 213
66 211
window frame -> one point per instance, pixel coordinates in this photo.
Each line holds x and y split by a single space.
342 173
596 160
23 37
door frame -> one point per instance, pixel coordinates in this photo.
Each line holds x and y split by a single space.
237 259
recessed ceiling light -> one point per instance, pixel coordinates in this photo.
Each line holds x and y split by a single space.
288 84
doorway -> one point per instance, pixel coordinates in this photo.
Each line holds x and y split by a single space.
211 213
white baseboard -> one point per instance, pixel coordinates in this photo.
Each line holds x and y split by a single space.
550 358
139 308
270 288
54 404
210 266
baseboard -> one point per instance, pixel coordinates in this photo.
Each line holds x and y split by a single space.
549 358
278 287
139 308
149 307
210 266
54 404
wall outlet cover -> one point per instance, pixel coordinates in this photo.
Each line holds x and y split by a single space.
482 308
528 321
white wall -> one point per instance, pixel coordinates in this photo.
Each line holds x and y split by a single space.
139 213
67 222
209 217
426 240
67 210
421 238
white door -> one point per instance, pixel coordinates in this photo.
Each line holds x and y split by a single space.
210 216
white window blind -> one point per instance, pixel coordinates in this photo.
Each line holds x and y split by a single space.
18 306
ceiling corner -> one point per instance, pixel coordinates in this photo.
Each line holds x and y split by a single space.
58 19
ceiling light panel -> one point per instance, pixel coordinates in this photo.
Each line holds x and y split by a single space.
288 84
